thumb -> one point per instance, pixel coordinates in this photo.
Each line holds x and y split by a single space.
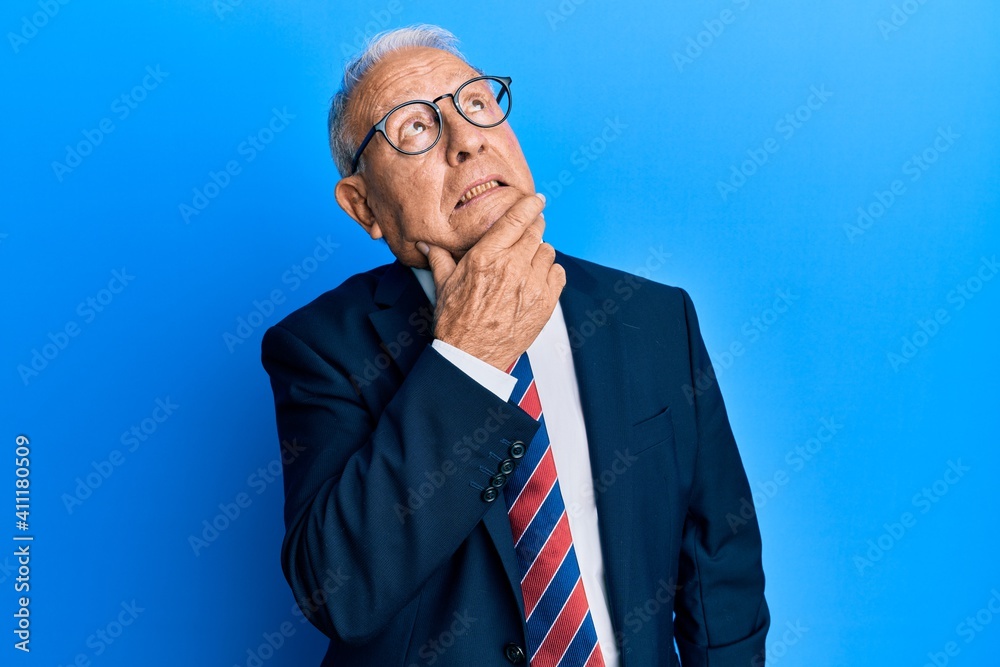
441 262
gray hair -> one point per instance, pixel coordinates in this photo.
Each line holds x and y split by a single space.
378 47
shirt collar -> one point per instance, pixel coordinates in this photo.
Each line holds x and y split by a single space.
426 280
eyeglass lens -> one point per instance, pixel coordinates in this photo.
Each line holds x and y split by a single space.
415 127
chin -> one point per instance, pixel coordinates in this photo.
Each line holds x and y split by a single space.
483 215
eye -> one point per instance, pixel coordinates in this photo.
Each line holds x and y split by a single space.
413 127
475 105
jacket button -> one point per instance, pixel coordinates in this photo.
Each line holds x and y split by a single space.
517 449
514 653
507 466
489 494
498 480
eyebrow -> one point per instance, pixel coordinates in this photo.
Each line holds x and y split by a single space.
383 109
411 95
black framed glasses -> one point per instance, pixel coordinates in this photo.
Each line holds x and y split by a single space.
414 127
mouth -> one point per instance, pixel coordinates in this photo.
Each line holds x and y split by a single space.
479 190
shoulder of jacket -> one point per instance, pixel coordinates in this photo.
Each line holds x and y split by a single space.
639 286
337 309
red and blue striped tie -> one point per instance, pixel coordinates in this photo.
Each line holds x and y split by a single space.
560 628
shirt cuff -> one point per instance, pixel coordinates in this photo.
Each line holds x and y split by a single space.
491 377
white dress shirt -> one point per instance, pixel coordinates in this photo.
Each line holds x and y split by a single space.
555 379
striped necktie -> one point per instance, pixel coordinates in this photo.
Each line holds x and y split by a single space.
560 628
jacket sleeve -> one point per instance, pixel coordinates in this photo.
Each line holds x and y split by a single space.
377 502
722 617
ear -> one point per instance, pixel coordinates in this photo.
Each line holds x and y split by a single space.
352 195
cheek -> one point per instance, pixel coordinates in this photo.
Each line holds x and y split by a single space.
417 187
391 201
411 213
515 158
510 140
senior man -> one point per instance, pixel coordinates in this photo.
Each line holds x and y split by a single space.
472 484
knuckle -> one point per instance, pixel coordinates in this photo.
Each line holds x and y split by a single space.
528 211
518 218
475 260
515 221
533 232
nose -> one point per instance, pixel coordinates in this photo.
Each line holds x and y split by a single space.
463 140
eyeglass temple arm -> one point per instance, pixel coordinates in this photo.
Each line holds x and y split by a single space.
505 89
361 148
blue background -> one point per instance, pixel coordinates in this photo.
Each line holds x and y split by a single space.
643 110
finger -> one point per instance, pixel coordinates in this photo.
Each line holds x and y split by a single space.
511 225
531 237
545 255
556 279
442 264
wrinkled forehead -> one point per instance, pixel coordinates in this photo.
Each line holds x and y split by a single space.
416 73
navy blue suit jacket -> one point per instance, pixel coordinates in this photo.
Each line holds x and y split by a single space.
391 549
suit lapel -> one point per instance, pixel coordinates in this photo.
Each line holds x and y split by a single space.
600 363
405 316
